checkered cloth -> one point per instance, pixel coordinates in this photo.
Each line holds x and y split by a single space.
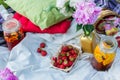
110 4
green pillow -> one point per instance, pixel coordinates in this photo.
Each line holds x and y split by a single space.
43 13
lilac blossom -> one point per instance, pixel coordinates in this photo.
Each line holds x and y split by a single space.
117 22
86 13
6 74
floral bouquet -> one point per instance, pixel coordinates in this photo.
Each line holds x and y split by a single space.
86 14
6 74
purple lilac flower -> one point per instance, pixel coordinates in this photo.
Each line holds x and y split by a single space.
86 13
108 26
6 74
117 21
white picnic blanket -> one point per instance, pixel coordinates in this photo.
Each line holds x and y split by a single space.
4 54
29 65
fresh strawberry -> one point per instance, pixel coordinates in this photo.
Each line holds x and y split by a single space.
59 57
72 52
67 54
62 66
70 63
65 63
65 48
71 58
42 45
39 50
54 59
64 58
59 61
55 64
75 55
119 44
62 53
43 53
58 65
118 40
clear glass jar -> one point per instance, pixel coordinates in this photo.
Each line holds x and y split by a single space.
104 53
13 33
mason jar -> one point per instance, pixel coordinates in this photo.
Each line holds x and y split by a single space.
13 33
104 53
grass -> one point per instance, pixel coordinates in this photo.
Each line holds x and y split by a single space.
2 2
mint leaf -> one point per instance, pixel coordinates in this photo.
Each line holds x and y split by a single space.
88 29
79 27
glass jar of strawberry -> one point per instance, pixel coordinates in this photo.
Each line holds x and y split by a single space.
104 53
13 33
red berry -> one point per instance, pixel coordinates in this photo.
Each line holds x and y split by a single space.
75 56
54 59
62 66
59 61
118 40
55 64
71 58
70 63
68 54
59 57
58 66
72 51
63 53
43 53
118 37
64 58
119 44
65 63
39 50
42 45
65 48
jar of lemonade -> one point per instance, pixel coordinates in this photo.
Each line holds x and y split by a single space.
104 53
13 33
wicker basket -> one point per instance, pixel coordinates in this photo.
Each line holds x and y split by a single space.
104 14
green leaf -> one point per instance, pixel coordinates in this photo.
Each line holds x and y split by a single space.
79 27
72 9
67 6
88 29
70 19
67 9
